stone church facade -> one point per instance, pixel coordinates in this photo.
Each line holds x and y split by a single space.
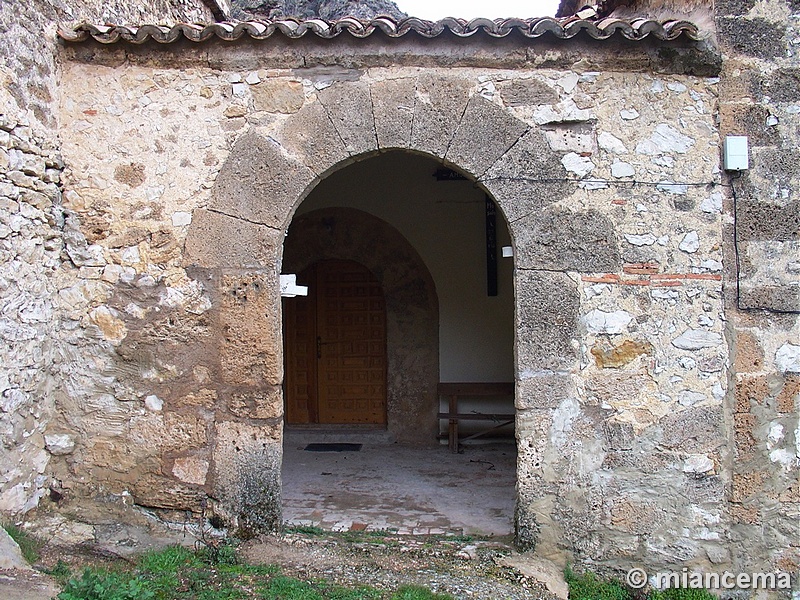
152 182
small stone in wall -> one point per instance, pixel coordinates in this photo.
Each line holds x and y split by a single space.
629 114
106 320
191 470
59 444
239 90
618 356
787 358
679 189
153 403
11 399
697 339
647 239
698 463
622 169
235 111
575 163
690 242
712 204
690 398
665 139
181 219
611 143
598 321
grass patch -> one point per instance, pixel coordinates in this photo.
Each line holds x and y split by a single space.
305 529
28 544
101 584
212 573
587 586
414 592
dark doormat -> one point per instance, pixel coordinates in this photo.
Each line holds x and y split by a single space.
335 447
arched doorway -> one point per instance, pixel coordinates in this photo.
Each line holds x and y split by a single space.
418 237
335 347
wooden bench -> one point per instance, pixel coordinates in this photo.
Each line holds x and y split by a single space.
454 391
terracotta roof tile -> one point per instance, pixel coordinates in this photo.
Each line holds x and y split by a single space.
563 28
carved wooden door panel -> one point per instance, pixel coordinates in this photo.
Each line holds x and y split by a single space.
336 347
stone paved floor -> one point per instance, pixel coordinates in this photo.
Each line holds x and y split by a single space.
390 487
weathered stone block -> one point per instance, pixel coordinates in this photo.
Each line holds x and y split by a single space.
246 474
219 240
561 240
547 320
191 469
542 389
751 391
485 133
527 177
393 106
313 140
783 85
161 492
789 397
748 355
753 37
747 485
757 220
781 298
250 351
438 108
733 7
182 432
278 96
527 92
749 120
258 183
264 403
350 109
693 430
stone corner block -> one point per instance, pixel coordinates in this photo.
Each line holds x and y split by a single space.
438 108
485 134
349 108
310 136
258 183
217 240
393 107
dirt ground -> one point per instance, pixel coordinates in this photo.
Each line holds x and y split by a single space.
459 566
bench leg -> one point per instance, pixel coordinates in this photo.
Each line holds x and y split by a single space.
453 430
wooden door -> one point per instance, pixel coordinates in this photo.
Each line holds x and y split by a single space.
336 347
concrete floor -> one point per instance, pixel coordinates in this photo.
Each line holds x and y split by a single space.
386 486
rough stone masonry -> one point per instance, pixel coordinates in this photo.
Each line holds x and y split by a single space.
657 344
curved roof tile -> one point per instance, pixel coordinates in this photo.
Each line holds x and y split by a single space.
563 28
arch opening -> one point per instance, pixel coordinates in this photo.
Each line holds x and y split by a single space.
427 234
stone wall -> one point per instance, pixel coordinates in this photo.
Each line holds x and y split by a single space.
609 180
656 348
760 98
37 337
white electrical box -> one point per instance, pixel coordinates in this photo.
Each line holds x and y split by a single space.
735 153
